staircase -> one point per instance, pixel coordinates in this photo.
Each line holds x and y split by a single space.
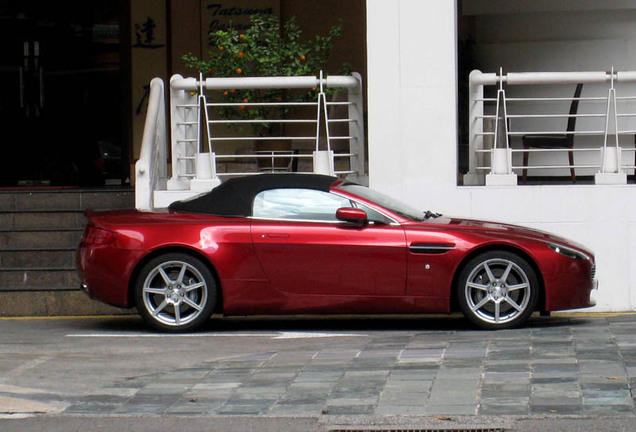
39 233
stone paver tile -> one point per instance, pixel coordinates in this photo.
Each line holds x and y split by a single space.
434 409
459 373
555 409
391 410
400 398
408 386
606 397
506 377
346 401
607 409
453 397
349 409
242 410
412 375
554 362
505 409
310 376
505 392
553 381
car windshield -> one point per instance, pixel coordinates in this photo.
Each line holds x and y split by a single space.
385 201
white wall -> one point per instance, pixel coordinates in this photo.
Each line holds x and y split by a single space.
413 147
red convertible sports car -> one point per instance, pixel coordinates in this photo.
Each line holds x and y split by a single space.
304 243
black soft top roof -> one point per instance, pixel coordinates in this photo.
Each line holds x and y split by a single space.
235 197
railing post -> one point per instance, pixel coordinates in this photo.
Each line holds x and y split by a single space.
501 161
356 130
611 172
323 159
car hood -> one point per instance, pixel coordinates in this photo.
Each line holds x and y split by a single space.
499 229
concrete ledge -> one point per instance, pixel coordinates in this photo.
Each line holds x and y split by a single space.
53 303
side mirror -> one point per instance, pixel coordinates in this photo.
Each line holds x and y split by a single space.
352 215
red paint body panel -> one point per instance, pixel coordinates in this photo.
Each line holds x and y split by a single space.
286 267
331 259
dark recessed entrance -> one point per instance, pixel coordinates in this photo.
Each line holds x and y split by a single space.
62 100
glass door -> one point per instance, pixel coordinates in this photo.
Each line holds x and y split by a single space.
61 94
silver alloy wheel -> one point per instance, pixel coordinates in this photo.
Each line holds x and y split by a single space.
175 293
497 291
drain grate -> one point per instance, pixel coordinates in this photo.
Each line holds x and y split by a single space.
422 430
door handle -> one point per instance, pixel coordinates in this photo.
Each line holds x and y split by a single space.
276 235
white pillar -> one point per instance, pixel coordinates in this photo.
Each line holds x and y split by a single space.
412 94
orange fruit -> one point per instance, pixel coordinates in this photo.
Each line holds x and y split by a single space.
239 71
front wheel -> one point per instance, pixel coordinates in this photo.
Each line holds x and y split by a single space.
497 290
175 292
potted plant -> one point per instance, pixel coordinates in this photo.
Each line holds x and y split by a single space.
265 49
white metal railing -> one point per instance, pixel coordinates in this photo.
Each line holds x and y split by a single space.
194 141
607 124
198 160
151 168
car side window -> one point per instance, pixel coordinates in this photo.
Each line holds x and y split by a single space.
298 204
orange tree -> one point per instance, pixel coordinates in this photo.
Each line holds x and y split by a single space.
265 49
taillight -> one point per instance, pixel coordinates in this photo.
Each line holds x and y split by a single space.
96 235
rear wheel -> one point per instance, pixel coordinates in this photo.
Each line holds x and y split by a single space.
175 292
497 290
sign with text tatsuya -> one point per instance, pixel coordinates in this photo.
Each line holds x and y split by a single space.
220 15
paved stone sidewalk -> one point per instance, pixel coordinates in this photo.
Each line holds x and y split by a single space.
557 366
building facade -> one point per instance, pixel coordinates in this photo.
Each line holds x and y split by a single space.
76 74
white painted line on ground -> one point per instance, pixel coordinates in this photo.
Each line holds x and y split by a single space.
310 335
276 335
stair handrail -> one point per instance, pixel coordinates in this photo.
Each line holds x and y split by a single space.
151 170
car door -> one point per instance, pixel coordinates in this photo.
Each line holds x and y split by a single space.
304 249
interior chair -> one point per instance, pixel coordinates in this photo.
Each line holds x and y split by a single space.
565 141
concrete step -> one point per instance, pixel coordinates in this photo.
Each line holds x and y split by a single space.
39 240
46 221
33 258
39 233
76 200
38 279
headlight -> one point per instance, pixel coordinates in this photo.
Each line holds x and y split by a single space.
568 252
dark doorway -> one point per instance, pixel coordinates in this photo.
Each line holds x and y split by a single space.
61 93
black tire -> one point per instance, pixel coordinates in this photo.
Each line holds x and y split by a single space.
497 290
175 292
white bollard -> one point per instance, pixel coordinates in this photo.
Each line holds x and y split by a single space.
204 166
500 161
323 162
